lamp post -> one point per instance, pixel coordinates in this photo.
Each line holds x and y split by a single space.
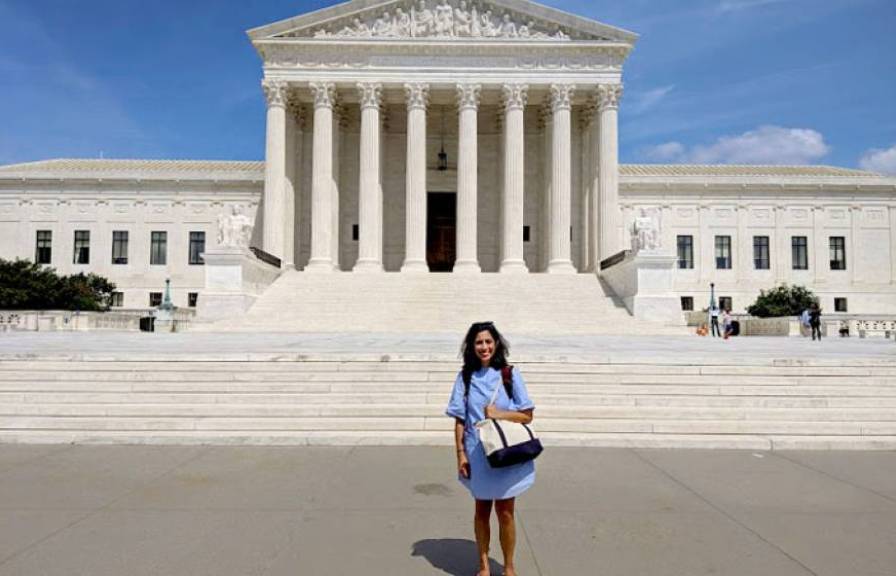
712 303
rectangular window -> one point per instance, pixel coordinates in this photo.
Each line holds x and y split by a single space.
687 303
155 299
760 253
192 299
120 247
526 233
117 299
43 251
356 232
799 252
726 303
685 252
840 305
82 247
723 252
838 253
158 251
197 247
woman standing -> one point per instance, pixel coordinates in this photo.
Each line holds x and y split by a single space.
485 356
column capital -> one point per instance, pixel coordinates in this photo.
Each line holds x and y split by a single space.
515 96
609 96
324 94
417 96
276 92
468 96
561 96
371 94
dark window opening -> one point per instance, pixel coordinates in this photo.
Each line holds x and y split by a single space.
43 251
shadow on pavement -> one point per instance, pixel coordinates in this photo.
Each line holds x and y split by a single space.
452 556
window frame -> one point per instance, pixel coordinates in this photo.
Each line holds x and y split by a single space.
723 246
685 243
195 235
43 244
762 245
152 298
687 299
116 300
841 300
799 246
836 263
81 246
120 239
163 251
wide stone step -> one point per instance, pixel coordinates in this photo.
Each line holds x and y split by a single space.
575 412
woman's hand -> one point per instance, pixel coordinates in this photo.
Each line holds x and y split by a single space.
522 417
492 412
463 464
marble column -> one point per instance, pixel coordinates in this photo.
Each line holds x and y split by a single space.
275 167
608 192
293 152
370 197
415 200
594 210
515 98
322 183
561 179
467 178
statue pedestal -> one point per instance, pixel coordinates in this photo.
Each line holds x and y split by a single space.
644 283
234 278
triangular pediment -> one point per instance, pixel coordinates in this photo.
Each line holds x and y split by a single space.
444 20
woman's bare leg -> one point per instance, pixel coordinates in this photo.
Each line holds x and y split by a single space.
507 524
483 534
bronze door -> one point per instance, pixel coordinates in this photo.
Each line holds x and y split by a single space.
441 231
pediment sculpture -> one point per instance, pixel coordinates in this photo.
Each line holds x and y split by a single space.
646 233
443 19
234 229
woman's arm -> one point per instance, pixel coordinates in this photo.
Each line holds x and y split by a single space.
521 417
463 465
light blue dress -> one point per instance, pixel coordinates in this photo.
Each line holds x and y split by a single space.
485 482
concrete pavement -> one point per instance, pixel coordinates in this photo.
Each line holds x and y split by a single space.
196 510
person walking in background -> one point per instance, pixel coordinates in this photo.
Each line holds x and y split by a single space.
815 321
714 319
485 358
726 323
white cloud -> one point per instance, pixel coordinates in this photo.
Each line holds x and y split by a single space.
882 161
735 5
764 145
644 101
668 152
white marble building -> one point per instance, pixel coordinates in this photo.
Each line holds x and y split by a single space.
471 137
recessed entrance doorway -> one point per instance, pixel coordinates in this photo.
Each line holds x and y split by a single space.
441 231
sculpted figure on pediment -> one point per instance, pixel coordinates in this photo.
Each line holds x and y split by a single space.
508 28
383 25
463 20
444 19
488 25
424 20
402 23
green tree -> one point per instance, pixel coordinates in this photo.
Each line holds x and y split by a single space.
783 300
25 285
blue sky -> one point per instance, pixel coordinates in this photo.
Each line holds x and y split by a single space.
710 81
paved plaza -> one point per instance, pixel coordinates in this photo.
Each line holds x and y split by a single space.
622 349
142 510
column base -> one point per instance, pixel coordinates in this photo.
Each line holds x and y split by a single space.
368 266
320 265
514 267
467 267
415 266
561 267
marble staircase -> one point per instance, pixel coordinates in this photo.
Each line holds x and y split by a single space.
368 400
427 303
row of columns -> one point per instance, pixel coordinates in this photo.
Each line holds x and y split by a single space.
279 201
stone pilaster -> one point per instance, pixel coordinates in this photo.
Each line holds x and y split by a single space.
852 243
467 178
821 246
322 183
515 98
417 96
561 179
608 192
892 246
275 167
370 197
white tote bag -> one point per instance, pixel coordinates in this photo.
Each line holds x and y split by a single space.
507 443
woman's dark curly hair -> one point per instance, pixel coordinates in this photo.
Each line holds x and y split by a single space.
468 350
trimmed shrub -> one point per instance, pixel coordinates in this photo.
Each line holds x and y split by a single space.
783 300
25 285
